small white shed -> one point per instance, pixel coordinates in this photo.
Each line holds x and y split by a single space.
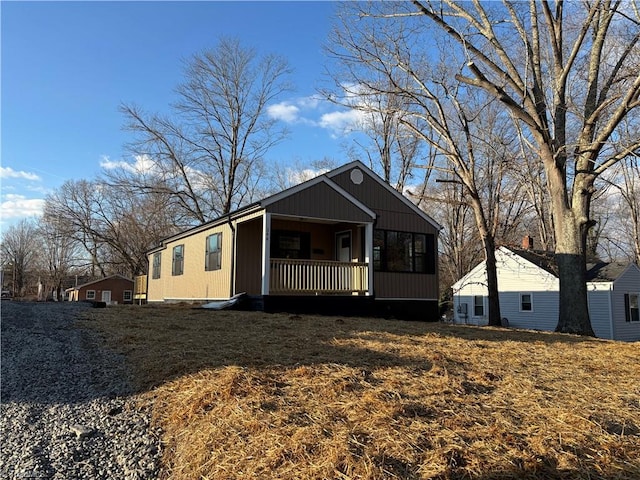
528 288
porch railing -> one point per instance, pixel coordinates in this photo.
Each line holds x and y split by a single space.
317 277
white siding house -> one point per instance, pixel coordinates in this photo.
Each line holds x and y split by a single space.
528 289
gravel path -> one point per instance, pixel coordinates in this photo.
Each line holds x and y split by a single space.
67 411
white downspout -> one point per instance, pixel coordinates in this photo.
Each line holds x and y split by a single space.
368 248
266 253
611 310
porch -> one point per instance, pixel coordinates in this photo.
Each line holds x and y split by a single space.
318 277
279 255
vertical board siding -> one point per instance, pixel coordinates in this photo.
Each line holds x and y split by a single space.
195 283
249 257
405 285
319 201
393 214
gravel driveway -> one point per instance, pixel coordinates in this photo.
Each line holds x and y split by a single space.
67 410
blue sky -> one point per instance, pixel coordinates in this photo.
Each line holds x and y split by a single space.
67 66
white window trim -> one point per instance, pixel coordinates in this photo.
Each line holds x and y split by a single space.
473 306
91 297
637 295
520 302
124 296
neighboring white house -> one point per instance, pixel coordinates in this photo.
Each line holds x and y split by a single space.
528 288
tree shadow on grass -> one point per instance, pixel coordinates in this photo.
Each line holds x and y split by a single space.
155 345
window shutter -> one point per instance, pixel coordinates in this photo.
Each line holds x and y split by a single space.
627 309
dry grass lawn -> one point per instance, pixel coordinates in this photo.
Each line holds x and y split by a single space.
248 395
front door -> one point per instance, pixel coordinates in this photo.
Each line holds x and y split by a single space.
343 246
106 296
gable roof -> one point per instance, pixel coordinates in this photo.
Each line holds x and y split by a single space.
596 272
540 258
110 277
311 183
607 272
371 174
324 178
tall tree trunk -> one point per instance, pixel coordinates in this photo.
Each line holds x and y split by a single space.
572 272
571 227
489 247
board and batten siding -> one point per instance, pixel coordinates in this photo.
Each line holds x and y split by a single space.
319 201
248 276
195 284
391 212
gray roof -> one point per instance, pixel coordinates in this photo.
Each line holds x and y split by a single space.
596 272
605 272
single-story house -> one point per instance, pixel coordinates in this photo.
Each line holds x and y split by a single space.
528 288
343 242
111 290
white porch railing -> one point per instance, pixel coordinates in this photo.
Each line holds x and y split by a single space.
317 277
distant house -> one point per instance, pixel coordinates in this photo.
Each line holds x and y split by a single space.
111 290
342 242
529 294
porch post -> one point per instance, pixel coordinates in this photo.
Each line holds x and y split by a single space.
266 252
368 249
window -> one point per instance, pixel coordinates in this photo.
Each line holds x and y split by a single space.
403 252
632 307
178 260
526 302
91 294
286 244
213 254
127 296
156 265
478 306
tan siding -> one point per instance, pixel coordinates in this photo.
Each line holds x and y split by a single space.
392 213
319 201
250 216
249 257
405 285
195 283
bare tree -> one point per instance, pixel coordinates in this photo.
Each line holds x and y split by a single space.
569 73
207 154
59 253
114 225
621 205
462 126
19 250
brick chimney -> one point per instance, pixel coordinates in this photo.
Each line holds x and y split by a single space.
527 242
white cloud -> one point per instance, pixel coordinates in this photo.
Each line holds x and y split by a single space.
294 177
18 206
341 122
142 164
318 112
284 111
8 172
